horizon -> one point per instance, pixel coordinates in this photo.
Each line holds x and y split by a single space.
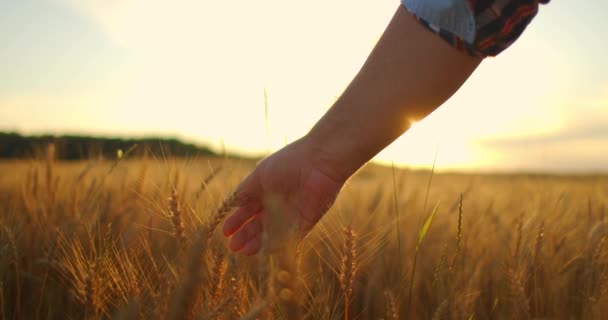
110 68
256 157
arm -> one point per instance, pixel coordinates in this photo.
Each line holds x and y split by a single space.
409 74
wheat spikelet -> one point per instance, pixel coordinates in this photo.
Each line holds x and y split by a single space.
520 226
538 244
597 258
458 234
442 311
603 286
392 308
599 250
221 213
348 267
234 290
176 218
235 309
517 295
536 297
255 312
220 266
286 290
205 183
442 260
596 235
286 282
218 310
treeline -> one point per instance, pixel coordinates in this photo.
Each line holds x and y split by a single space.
73 147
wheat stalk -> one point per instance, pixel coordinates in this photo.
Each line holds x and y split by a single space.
188 295
348 267
50 165
91 298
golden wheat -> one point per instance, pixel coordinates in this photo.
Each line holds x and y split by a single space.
99 240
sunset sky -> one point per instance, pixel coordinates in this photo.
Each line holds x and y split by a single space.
198 70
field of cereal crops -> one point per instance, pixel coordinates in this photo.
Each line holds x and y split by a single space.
138 239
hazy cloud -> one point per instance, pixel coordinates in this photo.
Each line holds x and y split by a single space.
581 144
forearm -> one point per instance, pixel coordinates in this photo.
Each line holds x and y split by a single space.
409 74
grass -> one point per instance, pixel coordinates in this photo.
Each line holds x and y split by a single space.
138 239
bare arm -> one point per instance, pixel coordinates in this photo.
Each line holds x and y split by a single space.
408 75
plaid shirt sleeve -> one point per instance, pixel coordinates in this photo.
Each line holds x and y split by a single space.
481 28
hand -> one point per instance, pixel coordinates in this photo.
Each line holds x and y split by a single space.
285 195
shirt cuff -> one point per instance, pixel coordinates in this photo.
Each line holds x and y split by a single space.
452 20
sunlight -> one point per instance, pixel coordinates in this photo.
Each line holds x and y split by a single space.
200 75
287 62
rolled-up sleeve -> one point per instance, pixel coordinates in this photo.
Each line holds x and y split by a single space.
482 28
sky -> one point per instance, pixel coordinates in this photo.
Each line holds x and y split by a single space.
199 70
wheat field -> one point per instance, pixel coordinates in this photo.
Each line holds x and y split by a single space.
139 239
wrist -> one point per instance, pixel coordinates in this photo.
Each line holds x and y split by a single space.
330 157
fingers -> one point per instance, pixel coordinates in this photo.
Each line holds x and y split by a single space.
239 217
250 231
253 246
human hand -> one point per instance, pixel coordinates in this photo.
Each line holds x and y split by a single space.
285 195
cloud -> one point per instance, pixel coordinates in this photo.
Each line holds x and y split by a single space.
580 144
586 121
592 130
